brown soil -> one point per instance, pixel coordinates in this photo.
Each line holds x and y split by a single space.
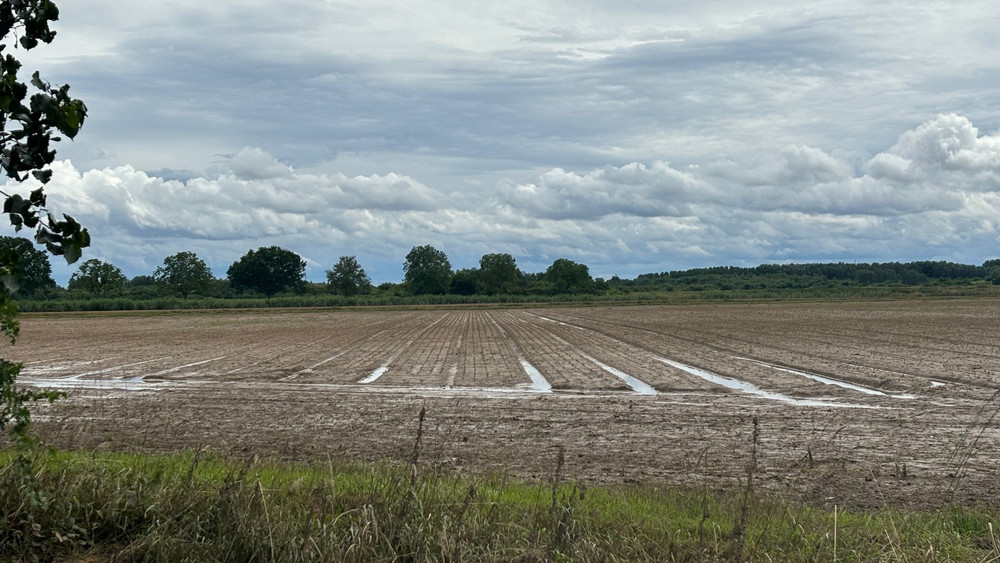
286 385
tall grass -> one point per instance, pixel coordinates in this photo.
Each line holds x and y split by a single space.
201 507
636 297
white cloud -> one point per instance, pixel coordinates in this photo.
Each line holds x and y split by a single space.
931 195
633 189
255 164
646 134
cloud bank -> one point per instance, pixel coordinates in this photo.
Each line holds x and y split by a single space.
933 194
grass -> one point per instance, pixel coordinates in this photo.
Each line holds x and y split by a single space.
678 296
197 506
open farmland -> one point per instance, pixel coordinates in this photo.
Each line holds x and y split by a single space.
861 404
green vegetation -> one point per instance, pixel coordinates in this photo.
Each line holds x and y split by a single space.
427 271
183 274
97 277
30 266
200 507
268 270
28 127
347 277
498 281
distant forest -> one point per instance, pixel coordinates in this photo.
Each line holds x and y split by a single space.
801 276
274 277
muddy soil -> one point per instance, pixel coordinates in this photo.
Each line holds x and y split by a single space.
858 404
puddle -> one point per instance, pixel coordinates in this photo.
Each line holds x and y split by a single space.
139 378
815 377
385 367
538 382
937 383
107 370
452 373
116 384
751 389
827 380
640 387
555 321
312 367
375 375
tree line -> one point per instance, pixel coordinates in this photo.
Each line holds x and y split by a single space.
269 271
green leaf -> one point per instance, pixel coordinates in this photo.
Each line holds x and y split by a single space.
44 236
37 82
72 253
42 176
37 197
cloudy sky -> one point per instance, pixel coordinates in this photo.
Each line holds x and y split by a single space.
631 135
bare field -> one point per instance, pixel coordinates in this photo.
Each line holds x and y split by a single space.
860 404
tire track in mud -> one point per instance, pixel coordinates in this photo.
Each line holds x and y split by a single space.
869 348
488 359
751 381
637 381
633 359
141 378
660 346
974 346
538 382
830 381
52 368
312 368
863 368
790 357
378 372
281 354
352 356
561 363
978 369
103 371
453 368
866 363
432 357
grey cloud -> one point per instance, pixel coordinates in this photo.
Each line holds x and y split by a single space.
949 161
534 127
634 189
255 164
797 204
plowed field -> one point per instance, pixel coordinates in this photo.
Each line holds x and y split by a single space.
859 404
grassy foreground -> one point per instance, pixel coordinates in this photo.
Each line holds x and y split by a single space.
80 506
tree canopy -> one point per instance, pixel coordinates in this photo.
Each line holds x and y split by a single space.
268 270
347 277
27 128
427 270
29 125
497 273
184 273
567 276
98 277
30 266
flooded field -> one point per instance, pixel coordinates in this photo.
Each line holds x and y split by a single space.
858 403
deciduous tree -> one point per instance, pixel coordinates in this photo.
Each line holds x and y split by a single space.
427 270
464 282
567 276
28 125
30 266
268 270
497 272
184 273
347 277
98 277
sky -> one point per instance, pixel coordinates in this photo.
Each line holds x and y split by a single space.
630 135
